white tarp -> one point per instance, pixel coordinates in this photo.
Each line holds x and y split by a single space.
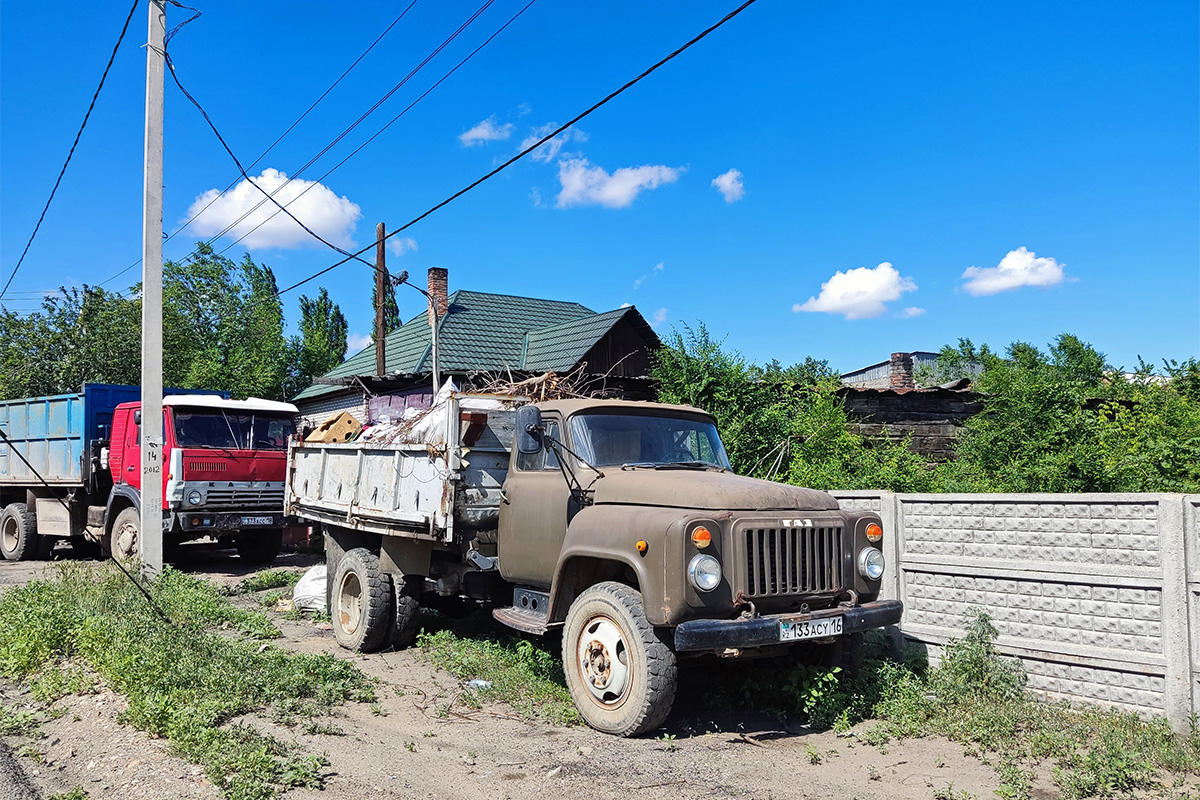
309 592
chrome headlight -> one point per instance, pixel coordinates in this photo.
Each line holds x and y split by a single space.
194 498
704 573
870 563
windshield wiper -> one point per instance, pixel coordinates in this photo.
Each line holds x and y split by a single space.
688 465
639 464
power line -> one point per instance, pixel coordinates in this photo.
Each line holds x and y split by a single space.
279 139
74 144
389 124
527 150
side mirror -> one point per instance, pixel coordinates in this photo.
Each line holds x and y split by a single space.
529 430
137 417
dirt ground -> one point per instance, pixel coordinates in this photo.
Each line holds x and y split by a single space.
408 751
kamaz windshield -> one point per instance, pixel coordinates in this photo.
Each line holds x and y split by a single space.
613 440
231 431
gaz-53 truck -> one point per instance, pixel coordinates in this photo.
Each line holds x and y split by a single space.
70 466
616 525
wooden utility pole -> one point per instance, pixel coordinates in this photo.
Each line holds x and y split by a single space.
380 288
150 544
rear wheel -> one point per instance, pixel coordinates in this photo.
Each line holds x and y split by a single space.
18 533
260 547
406 605
362 602
620 672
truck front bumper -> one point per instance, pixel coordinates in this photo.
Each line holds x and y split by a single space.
716 635
218 522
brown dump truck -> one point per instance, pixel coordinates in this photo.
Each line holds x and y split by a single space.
616 525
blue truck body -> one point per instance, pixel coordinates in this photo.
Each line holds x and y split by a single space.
53 433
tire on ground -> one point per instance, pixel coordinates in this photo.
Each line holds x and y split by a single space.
333 557
362 602
406 606
259 547
125 541
619 670
18 533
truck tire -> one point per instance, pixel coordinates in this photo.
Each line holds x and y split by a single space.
18 533
125 541
362 602
260 547
620 672
333 556
406 606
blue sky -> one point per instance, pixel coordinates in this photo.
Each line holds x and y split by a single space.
1022 169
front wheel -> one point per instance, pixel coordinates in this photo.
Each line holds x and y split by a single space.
126 538
620 672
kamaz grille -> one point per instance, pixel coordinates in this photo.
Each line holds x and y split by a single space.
246 498
782 561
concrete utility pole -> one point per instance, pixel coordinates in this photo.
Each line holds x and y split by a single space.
380 286
151 538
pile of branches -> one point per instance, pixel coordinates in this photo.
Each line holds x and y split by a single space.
547 386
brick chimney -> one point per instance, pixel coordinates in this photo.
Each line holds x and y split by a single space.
900 372
438 293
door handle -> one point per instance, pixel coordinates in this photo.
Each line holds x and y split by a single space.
129 469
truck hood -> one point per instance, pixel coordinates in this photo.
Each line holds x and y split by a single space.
719 491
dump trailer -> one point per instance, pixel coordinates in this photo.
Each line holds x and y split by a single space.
616 525
70 467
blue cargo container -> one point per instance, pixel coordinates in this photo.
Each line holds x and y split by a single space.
52 433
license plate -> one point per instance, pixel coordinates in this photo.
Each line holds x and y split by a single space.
795 630
257 520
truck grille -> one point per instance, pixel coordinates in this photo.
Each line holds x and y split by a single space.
242 498
781 561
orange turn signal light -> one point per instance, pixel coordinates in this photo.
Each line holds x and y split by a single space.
874 532
702 537
641 546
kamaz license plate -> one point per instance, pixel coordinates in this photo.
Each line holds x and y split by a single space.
257 520
795 630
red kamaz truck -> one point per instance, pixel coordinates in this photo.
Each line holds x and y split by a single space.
70 466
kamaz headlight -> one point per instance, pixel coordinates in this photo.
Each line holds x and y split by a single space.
870 563
194 498
705 573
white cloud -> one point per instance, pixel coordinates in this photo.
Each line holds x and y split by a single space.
399 245
317 206
657 269
658 318
730 185
356 342
911 311
550 150
626 305
486 131
859 293
583 184
535 197
1019 268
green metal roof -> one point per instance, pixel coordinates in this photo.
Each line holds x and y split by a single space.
484 332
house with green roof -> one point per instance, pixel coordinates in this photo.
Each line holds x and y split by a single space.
481 336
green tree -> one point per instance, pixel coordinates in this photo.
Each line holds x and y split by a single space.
321 345
391 311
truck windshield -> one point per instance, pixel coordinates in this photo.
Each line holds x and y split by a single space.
610 440
231 431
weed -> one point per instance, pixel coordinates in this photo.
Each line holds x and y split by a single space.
378 710
314 728
184 680
669 743
813 755
524 675
268 579
19 721
77 793
948 793
873 774
410 747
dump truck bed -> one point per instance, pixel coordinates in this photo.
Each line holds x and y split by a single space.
447 482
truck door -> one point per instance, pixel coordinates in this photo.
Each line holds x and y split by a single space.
131 459
533 521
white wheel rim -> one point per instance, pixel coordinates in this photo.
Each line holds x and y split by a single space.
350 603
127 542
603 660
9 534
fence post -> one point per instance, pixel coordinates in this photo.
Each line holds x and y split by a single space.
1176 556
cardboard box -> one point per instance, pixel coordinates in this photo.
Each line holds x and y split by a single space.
341 427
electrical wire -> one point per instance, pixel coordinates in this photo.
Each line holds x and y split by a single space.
279 139
74 144
527 150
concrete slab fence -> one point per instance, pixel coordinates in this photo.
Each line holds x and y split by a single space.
1097 594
